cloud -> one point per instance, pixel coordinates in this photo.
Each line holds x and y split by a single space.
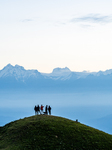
27 20
86 26
93 18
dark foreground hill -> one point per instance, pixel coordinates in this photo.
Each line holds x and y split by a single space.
45 132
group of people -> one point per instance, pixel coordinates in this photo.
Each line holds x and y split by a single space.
39 109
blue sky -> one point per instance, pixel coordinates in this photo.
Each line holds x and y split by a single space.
47 34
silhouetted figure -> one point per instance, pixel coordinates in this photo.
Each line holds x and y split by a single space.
41 107
46 110
76 120
35 108
49 109
38 109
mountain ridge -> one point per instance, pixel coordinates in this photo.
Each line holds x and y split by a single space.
59 79
19 70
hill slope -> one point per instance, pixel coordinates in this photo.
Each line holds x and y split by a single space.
50 132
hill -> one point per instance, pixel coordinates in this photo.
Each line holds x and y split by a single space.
51 132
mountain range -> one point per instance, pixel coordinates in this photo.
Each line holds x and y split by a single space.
17 76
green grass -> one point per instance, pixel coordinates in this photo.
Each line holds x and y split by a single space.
44 132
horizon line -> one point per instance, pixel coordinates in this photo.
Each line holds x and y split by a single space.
88 71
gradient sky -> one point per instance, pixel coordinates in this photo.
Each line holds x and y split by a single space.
45 34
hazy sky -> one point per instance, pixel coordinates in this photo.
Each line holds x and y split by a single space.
45 34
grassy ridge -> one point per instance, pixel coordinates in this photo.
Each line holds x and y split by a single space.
52 133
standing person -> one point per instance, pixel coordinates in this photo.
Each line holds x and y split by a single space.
46 110
49 109
38 109
41 109
35 108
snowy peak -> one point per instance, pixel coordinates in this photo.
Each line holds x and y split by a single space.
8 67
61 71
107 72
18 72
10 70
19 67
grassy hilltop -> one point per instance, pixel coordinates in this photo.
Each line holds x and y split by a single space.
44 132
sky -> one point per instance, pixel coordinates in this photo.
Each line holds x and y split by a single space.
45 34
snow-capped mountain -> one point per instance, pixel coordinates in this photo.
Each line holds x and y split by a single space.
107 72
65 74
59 78
18 72
59 73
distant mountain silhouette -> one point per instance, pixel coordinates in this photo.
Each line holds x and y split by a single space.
16 77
